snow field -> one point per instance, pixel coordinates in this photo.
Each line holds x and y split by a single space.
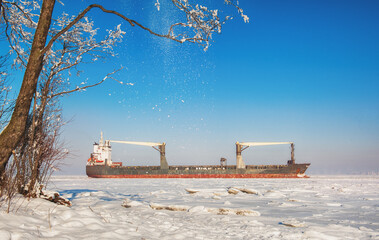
332 207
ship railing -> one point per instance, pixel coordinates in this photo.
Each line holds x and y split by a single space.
201 167
265 166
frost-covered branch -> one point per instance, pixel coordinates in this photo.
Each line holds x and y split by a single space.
5 100
76 20
17 17
240 10
203 21
88 86
85 11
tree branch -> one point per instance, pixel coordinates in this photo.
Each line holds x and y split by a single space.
82 14
18 7
88 86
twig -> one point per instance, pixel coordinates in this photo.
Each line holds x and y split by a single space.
98 214
49 214
88 86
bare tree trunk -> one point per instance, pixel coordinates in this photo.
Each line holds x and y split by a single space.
11 135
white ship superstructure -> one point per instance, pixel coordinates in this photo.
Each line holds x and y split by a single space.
102 153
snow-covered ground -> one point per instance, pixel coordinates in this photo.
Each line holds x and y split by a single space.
321 207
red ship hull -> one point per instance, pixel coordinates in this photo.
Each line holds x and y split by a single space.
204 176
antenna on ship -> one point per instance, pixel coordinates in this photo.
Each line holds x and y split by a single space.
101 138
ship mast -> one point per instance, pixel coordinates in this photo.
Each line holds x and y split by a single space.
292 161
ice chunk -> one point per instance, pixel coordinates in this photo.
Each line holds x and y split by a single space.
292 223
198 209
129 203
191 191
231 211
233 191
249 191
175 208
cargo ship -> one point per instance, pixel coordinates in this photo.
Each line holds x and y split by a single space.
100 165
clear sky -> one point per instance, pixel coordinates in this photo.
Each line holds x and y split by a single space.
301 71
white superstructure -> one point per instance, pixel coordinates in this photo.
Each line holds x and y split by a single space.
102 153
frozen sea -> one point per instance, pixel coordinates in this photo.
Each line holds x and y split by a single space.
320 207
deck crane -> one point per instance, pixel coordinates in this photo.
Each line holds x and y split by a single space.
244 145
161 149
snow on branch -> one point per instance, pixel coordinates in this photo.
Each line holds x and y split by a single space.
202 20
18 20
89 86
240 10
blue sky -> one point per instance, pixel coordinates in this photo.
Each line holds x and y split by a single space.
301 71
